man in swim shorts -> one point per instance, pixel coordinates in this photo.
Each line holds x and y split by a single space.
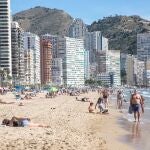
136 103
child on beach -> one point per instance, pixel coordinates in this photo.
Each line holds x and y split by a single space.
90 108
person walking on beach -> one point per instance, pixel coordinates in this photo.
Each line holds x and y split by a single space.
120 98
105 97
136 103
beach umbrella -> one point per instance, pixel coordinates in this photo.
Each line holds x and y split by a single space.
53 89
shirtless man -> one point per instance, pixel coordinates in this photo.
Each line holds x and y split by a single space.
136 102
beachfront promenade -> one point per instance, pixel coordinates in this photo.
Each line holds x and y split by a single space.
71 126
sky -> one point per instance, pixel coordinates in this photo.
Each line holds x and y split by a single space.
89 10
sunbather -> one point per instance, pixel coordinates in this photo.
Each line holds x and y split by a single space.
3 102
21 122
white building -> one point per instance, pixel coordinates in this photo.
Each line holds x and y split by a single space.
29 67
143 46
32 46
139 68
57 71
5 36
135 71
86 65
17 47
109 62
77 29
71 51
95 42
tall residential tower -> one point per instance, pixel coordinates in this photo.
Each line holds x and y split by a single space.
5 35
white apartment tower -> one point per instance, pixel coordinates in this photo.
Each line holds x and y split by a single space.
32 51
143 46
5 35
72 52
17 48
95 42
108 63
77 29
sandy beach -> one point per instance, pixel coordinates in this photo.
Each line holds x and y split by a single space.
71 126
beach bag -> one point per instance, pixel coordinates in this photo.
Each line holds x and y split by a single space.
130 110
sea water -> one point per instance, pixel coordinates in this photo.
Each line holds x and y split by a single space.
139 133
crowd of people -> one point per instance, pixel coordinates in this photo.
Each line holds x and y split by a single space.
105 94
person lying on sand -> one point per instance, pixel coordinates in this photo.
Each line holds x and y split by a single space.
84 99
3 102
21 122
90 108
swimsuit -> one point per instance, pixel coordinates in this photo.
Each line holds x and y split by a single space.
24 123
136 107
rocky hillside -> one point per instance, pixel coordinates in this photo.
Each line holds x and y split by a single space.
42 20
121 31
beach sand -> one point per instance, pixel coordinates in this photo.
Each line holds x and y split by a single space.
71 126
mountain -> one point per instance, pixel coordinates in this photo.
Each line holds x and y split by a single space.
41 20
121 31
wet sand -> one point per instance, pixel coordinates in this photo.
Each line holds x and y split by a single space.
71 126
138 135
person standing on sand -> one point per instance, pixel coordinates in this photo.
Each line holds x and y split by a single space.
120 98
136 102
105 97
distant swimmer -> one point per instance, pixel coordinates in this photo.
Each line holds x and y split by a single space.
136 102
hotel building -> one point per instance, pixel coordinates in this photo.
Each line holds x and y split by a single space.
72 52
109 62
5 36
17 47
32 48
46 62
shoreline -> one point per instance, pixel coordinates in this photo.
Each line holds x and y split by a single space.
71 126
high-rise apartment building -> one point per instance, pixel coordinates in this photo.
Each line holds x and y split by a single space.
5 35
17 47
77 29
109 62
32 47
143 46
71 50
86 65
135 69
53 39
46 62
95 42
57 71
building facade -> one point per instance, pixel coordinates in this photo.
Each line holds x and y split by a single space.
46 62
5 36
95 42
109 62
57 71
77 29
32 46
71 50
17 47
53 39
86 65
143 46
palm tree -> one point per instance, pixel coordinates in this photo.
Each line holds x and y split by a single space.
4 76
